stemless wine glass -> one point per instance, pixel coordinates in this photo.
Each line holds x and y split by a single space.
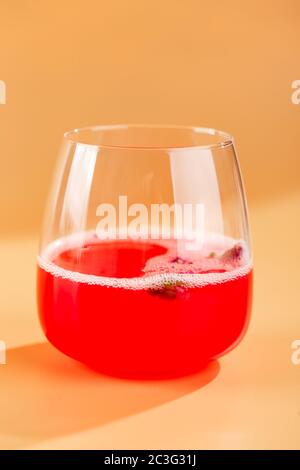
145 268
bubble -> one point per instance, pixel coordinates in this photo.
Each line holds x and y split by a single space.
158 272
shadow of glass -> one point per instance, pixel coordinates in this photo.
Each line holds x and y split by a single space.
44 394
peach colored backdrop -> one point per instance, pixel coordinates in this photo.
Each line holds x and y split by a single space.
71 63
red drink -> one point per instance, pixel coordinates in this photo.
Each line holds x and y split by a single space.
138 308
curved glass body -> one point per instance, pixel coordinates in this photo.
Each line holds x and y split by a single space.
145 266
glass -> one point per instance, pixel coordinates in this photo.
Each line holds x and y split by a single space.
145 267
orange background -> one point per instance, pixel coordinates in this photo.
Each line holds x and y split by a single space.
72 63
223 64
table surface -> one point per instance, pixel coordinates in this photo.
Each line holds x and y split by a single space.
249 399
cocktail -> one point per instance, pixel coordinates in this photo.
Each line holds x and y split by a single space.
145 267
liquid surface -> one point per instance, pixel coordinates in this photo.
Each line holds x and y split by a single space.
144 308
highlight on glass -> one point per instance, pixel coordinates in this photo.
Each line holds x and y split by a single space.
145 265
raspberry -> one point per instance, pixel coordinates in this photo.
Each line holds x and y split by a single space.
233 255
170 291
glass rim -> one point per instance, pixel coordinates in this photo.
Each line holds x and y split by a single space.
226 139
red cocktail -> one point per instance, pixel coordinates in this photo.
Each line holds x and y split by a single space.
145 266
140 308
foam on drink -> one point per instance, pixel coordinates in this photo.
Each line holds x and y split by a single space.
213 264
